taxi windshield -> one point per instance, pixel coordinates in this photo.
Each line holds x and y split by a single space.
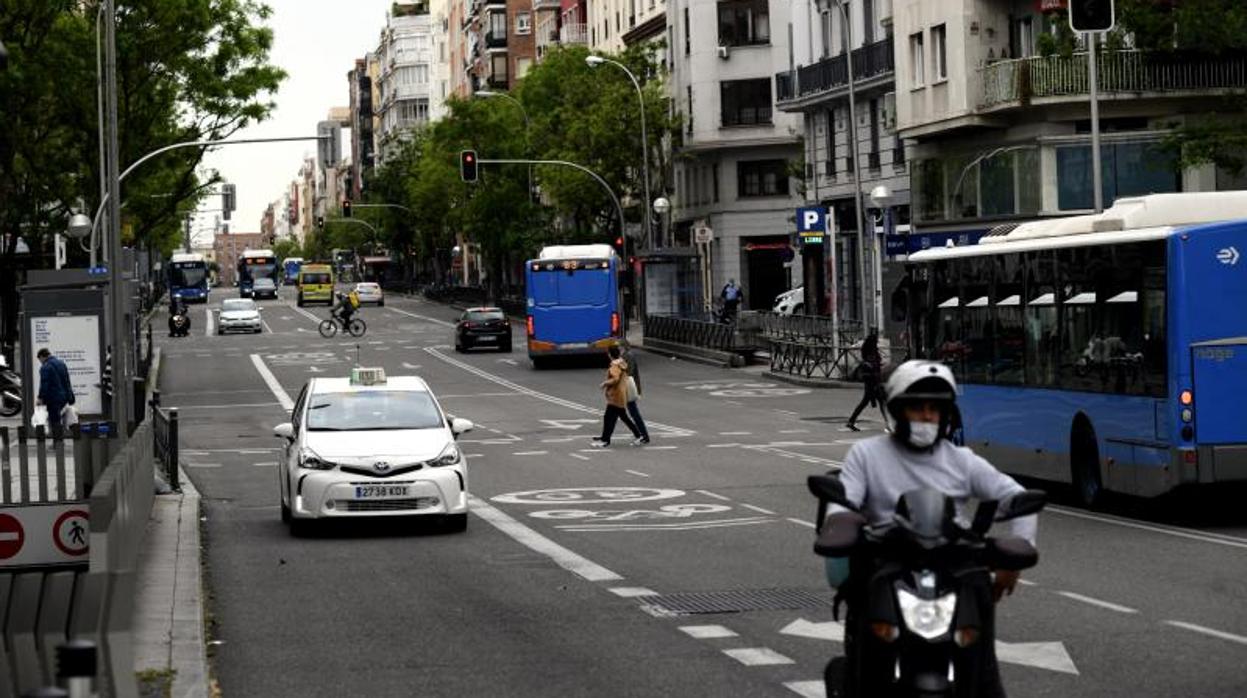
373 410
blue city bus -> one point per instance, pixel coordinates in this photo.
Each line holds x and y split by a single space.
573 301
1108 351
254 264
188 277
290 267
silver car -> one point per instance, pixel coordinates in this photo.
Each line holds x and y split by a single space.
239 315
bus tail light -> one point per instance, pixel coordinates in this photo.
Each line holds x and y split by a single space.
528 324
614 323
1190 456
1186 398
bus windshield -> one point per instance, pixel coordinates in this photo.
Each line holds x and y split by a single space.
189 274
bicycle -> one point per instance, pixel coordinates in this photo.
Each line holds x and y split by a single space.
329 327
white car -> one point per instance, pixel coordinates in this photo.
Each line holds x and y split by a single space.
239 315
369 445
790 302
369 293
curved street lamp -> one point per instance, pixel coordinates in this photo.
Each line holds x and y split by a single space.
595 61
528 134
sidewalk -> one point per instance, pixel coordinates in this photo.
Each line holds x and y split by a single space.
168 623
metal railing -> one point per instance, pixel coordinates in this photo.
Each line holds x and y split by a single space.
165 440
811 346
574 34
832 73
704 334
1023 79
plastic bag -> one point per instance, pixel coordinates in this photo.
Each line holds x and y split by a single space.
631 391
69 416
39 418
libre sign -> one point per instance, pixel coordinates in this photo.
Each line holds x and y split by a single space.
812 224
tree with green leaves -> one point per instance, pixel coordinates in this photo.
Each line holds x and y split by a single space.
187 70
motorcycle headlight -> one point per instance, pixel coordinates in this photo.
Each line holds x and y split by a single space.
311 461
449 456
927 619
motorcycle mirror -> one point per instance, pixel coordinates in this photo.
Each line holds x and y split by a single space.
828 488
1022 504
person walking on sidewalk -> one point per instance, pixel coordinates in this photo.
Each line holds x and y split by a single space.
616 388
872 368
55 389
634 393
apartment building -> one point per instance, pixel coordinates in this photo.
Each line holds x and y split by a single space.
499 44
365 99
998 112
847 138
409 56
559 22
734 165
615 24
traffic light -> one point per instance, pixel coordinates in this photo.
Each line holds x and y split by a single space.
229 200
320 222
619 244
1091 15
346 208
467 165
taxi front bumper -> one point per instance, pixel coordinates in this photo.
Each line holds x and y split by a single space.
338 494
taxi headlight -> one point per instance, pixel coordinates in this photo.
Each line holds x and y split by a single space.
448 456
311 461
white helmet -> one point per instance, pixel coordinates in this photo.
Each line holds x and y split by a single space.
923 380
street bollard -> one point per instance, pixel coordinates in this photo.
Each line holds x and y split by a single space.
76 667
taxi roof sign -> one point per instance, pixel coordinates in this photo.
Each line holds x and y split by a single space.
367 376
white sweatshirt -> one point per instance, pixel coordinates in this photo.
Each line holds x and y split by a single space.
878 471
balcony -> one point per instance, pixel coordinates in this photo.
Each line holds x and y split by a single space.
546 34
539 5
574 34
495 39
1048 79
829 78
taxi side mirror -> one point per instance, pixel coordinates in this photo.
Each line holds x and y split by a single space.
285 430
460 426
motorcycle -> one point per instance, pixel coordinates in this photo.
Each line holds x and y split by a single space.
919 591
179 323
10 390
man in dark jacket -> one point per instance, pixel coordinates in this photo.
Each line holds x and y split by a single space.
55 390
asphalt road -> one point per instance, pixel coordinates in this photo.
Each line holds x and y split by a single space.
680 568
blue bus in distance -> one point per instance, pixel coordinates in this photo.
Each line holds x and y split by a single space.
1108 351
290 267
573 302
188 277
254 264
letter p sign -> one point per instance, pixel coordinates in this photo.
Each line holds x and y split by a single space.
811 220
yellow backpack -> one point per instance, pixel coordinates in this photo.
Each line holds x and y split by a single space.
354 299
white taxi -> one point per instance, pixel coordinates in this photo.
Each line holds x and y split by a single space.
369 445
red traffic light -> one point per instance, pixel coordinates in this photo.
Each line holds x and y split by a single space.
467 165
619 241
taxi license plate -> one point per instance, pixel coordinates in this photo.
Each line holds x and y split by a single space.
380 491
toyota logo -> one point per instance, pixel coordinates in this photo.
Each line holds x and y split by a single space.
381 466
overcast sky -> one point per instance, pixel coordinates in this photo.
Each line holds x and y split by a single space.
316 42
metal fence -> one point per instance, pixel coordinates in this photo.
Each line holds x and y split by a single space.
811 346
165 440
1020 80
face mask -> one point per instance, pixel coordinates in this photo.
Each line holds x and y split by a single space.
923 434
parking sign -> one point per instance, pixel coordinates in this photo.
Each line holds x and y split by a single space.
811 219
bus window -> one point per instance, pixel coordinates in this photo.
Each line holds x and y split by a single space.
1006 298
584 287
1152 302
1040 317
1083 345
976 318
945 315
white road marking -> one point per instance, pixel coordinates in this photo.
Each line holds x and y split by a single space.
203 465
1220 634
632 592
412 367
722 445
577 455
426 318
802 522
533 540
264 465
530 453
561 440
686 526
829 630
757 656
661 448
1028 583
735 433
712 495
222 407
638 474
1097 602
266 327
1216 538
794 431
834 464
760 510
273 384
1041 655
537 394
474 395
807 689
207 321
707 632
305 314
507 361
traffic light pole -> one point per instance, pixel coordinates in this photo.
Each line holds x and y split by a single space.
582 168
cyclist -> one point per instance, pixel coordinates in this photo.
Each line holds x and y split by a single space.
345 309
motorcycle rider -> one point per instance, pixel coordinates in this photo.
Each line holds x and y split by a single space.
921 401
179 319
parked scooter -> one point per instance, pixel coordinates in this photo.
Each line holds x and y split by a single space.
10 390
179 321
921 613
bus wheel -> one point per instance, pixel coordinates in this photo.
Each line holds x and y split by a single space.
540 363
1085 464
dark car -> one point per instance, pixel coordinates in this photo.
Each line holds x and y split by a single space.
484 327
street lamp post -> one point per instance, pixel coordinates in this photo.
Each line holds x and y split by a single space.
528 133
595 61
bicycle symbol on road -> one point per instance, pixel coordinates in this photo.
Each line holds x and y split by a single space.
588 495
746 389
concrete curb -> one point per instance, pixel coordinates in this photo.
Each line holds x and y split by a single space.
813 382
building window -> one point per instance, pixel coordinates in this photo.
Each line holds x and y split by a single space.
522 66
523 23
744 22
831 143
1023 39
498 25
746 102
762 178
917 65
714 181
939 51
1127 169
689 89
868 22
873 156
688 42
422 75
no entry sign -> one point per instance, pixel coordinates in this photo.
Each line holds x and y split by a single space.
42 535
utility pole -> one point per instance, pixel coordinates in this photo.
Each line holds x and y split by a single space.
116 333
188 232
